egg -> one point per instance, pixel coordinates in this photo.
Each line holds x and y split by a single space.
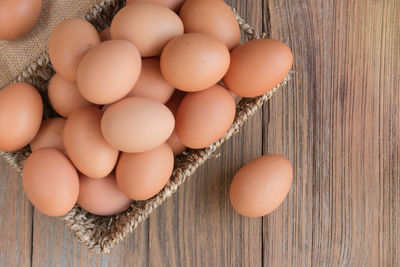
18 17
64 96
175 5
173 104
147 25
257 67
141 176
68 43
50 181
261 185
21 111
102 196
105 35
204 117
50 135
194 62
86 146
151 83
137 124
108 72
212 17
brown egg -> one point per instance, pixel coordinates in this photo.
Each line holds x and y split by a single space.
204 117
194 62
17 17
105 34
173 104
257 67
147 25
108 72
68 43
141 176
175 5
64 96
137 124
86 146
50 181
261 185
50 135
21 111
212 17
102 196
151 83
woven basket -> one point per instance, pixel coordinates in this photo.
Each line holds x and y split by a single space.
101 234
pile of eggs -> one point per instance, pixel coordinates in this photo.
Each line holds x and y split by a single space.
135 95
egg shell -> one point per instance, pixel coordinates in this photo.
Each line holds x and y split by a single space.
212 17
21 111
18 17
50 135
204 117
261 185
151 83
194 62
147 25
50 181
86 146
137 124
105 35
141 176
108 72
64 96
102 196
258 66
173 104
68 43
175 5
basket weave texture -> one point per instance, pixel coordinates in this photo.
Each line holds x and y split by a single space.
101 234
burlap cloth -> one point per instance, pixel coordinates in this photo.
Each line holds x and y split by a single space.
26 60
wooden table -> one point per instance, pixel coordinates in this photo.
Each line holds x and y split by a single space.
338 121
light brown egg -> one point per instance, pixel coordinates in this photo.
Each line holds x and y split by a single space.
204 117
68 43
194 62
151 83
175 5
141 176
261 185
17 17
257 67
50 135
212 17
147 25
173 104
105 35
137 124
50 181
86 146
64 96
108 72
102 196
21 111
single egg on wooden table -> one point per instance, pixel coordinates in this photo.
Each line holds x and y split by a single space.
261 185
64 96
173 104
147 25
108 72
21 110
204 117
50 135
141 176
137 124
68 43
91 154
18 17
105 35
151 83
212 17
50 181
102 196
257 67
175 5
194 62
